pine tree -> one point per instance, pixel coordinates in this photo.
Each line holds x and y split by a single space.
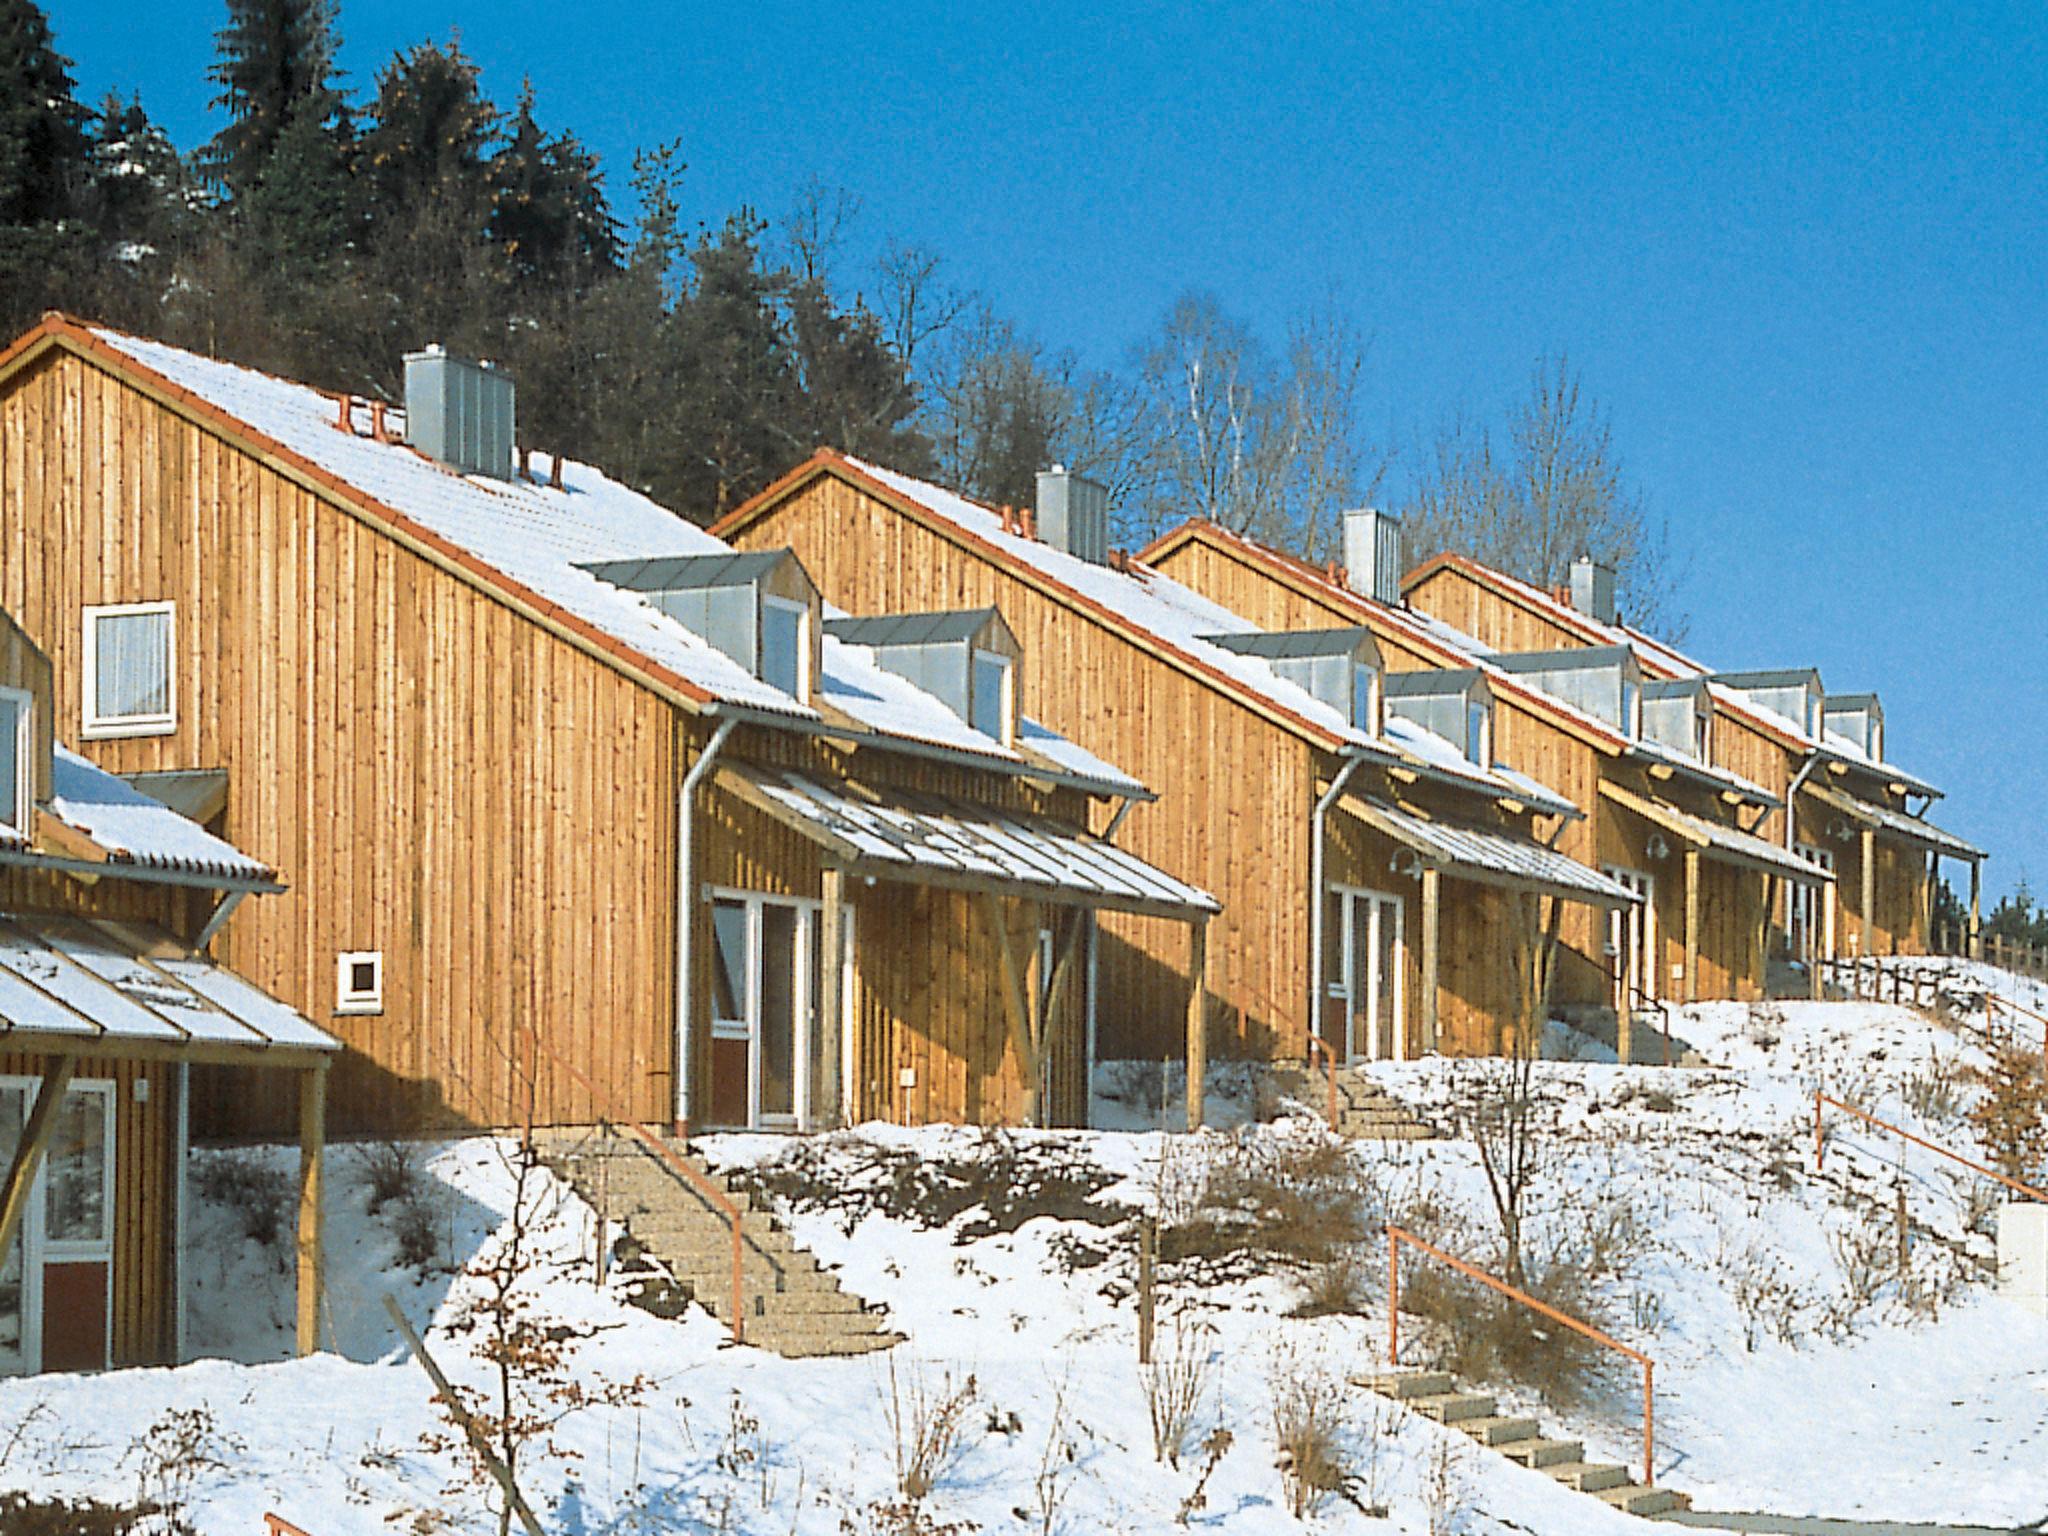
276 70
432 134
549 213
43 160
140 192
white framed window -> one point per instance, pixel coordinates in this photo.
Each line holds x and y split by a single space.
1703 736
1631 708
359 981
785 648
78 1176
17 753
988 699
130 670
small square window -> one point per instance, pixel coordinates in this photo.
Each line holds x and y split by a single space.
130 671
359 982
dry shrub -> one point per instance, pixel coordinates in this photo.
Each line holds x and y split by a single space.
1485 1336
929 1426
1299 1197
1308 1402
1334 1288
2011 1119
21 1515
1175 1386
1933 1093
391 1171
260 1195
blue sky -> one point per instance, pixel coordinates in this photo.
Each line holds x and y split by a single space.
1797 250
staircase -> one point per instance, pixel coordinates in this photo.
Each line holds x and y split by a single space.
1435 1395
790 1304
1365 1110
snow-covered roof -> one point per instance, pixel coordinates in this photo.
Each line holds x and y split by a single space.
1717 840
1490 857
539 538
67 978
134 829
1896 824
917 837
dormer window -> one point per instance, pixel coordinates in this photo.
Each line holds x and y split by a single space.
966 658
1453 703
1793 693
17 754
989 701
759 607
1339 667
1677 715
1604 681
785 648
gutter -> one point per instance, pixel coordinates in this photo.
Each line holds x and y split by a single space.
148 874
1317 819
686 912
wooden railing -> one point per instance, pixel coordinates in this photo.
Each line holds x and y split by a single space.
1868 978
1820 1144
718 1199
1396 1236
1318 1046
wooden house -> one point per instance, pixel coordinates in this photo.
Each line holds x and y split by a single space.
1632 754
1373 878
108 901
584 813
1853 809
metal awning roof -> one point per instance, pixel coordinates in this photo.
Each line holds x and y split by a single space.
1895 824
197 794
1728 845
925 839
1490 858
127 989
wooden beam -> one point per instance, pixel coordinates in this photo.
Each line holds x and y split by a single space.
1692 925
1016 1006
1198 1019
312 1234
1063 969
833 1091
1432 919
1868 847
1976 945
35 1141
61 838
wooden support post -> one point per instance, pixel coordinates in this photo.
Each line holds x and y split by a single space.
1148 1255
1975 951
1016 1005
1868 944
35 1141
1066 965
1692 925
831 1106
1198 1018
312 1234
1432 917
1927 944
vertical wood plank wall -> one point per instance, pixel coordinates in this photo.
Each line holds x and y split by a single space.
437 777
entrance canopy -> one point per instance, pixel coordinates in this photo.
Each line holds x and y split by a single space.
72 986
1727 845
1488 857
1895 825
927 839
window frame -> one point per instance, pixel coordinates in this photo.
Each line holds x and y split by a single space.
1375 711
771 603
348 998
92 725
24 760
1478 731
72 1250
1005 702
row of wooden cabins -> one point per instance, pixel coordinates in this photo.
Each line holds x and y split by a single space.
870 803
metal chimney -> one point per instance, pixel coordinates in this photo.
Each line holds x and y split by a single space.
459 412
1593 590
1073 514
1372 553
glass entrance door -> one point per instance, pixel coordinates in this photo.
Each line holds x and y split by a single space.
1364 956
20 1315
1632 941
1813 909
763 1008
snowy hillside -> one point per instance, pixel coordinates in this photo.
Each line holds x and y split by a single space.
1682 1203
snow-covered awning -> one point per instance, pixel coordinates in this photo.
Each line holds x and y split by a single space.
133 828
1490 858
1894 824
1728 845
126 989
926 839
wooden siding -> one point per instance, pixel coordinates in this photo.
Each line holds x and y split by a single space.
1451 595
436 777
145 1144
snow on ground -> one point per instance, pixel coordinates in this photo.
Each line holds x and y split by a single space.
1796 1373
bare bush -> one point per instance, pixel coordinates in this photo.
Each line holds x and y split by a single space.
1934 1093
2012 1117
930 1421
1299 1197
1486 1336
1215 1447
23 1515
1768 1300
1175 1387
1444 1489
1511 1138
1308 1402
260 1195
1336 1287
174 1453
391 1171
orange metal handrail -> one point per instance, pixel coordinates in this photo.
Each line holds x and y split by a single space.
1316 1043
277 1525
719 1199
2023 1011
1820 1145
1396 1236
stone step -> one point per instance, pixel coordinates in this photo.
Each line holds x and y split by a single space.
1638 1500
797 1325
1449 1407
1497 1431
1587 1476
1404 1385
804 1348
784 1304
1539 1452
